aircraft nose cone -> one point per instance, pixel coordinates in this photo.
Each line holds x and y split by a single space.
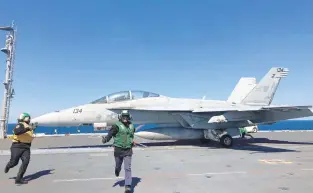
50 119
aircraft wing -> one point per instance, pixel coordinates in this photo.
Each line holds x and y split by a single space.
216 109
286 108
252 108
155 108
224 109
231 116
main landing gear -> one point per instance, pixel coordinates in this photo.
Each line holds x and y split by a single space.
219 135
226 141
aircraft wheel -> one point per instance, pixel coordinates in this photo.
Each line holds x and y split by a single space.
255 130
226 141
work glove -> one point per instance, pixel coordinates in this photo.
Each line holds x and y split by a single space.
33 126
104 140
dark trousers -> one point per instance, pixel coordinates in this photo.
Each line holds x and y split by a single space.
244 134
127 167
18 153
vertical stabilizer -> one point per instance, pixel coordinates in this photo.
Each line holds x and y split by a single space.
243 87
263 93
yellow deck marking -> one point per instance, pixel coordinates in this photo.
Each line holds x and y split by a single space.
275 161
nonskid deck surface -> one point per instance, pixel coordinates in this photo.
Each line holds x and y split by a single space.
94 141
271 162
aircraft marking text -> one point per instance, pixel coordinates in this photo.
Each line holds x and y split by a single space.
77 110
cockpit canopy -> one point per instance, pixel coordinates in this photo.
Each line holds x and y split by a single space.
125 95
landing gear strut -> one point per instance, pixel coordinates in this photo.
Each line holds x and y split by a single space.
219 135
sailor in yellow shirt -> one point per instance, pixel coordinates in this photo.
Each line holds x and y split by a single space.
20 149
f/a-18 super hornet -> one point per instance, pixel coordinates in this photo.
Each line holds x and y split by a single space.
184 118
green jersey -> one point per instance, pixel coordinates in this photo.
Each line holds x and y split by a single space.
125 135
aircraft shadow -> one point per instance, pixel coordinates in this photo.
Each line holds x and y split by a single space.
77 146
37 175
250 144
271 141
135 182
239 144
261 149
148 144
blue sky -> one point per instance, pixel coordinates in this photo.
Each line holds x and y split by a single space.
72 52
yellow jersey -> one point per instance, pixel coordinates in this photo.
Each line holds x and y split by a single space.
26 137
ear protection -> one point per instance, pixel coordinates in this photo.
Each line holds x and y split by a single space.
26 119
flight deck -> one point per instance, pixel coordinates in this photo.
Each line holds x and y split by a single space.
271 162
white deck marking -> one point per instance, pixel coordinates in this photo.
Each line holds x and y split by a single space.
218 173
115 178
85 179
98 154
307 169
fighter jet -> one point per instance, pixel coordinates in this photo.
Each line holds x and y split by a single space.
186 118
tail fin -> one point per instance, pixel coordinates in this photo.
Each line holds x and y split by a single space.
263 93
243 87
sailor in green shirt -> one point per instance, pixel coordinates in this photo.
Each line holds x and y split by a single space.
123 133
244 132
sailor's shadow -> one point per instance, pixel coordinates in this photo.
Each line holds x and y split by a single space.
36 175
135 182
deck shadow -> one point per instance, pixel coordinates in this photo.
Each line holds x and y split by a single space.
37 175
239 144
135 182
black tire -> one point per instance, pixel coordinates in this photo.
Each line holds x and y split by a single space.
226 141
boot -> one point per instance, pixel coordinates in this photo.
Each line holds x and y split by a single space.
127 189
117 172
20 181
6 169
